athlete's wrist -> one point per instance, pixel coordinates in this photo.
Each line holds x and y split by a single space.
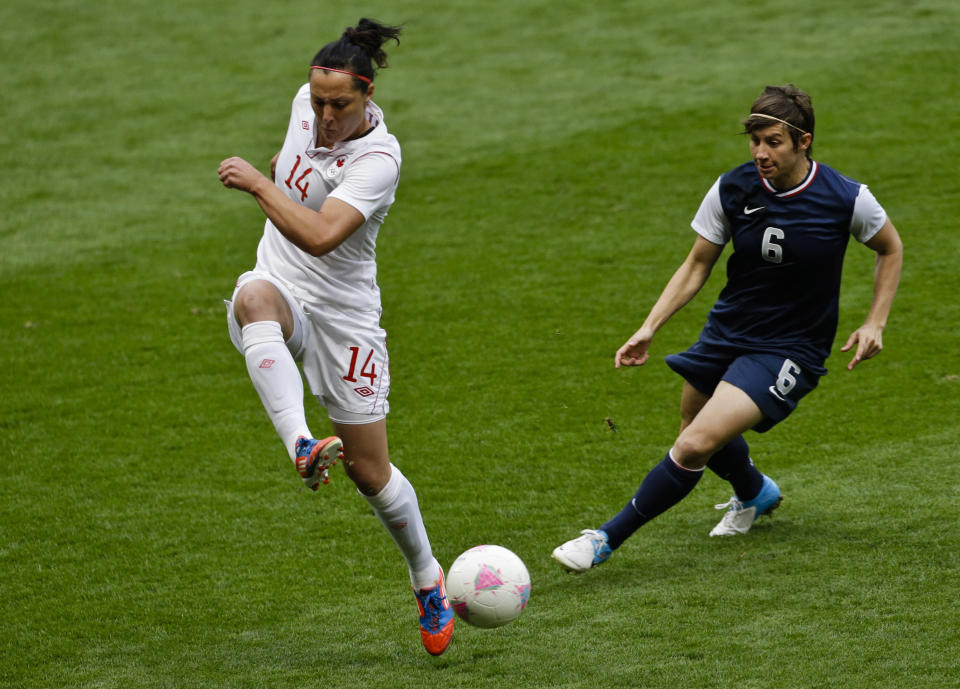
260 184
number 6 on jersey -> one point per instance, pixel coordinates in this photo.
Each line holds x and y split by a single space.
772 251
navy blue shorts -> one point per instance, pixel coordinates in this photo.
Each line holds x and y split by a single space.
775 383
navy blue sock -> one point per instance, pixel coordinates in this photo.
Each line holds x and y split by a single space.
732 463
665 486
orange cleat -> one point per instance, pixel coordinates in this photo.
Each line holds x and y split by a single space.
436 617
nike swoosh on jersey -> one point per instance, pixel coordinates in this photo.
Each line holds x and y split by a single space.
749 211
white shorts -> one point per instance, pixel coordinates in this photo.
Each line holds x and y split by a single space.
343 353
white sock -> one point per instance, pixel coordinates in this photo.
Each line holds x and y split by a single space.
277 380
397 509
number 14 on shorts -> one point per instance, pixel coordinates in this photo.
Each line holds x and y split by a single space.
368 370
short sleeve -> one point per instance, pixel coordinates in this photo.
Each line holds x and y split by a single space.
868 216
369 183
711 222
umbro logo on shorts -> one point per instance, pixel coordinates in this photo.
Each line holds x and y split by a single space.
267 363
364 391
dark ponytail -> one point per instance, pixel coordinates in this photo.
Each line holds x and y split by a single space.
358 50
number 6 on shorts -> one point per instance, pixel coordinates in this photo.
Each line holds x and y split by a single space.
786 379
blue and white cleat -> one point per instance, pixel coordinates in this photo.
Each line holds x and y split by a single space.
313 459
436 617
740 516
588 550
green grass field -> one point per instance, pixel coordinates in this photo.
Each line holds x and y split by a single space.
152 531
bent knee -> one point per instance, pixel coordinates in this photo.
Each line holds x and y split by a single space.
261 301
368 476
254 300
693 449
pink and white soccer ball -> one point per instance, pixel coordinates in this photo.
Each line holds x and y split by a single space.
488 586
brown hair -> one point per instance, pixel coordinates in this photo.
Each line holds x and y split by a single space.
786 104
357 50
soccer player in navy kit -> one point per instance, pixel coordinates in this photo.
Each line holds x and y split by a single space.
770 331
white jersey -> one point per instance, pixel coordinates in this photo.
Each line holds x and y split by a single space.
364 173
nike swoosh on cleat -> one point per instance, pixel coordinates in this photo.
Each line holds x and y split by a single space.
749 211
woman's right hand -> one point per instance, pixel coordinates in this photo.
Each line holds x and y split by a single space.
634 351
237 173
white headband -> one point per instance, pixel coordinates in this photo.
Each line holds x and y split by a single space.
771 117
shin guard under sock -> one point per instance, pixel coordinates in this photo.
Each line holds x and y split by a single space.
277 380
397 509
667 484
732 463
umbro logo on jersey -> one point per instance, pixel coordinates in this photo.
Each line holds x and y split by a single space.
305 124
749 211
267 363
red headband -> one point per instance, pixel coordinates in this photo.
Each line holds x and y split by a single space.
341 71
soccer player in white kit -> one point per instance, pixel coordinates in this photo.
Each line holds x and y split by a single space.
313 296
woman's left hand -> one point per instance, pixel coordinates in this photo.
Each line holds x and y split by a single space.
869 341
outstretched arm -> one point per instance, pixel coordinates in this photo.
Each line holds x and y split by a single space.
868 338
685 283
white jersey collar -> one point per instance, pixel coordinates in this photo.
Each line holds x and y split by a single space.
377 130
807 181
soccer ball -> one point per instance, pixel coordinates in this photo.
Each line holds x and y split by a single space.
488 586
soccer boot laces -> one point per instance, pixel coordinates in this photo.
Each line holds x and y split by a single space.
436 617
741 514
587 550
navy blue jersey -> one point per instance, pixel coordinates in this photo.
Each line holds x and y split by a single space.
783 277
